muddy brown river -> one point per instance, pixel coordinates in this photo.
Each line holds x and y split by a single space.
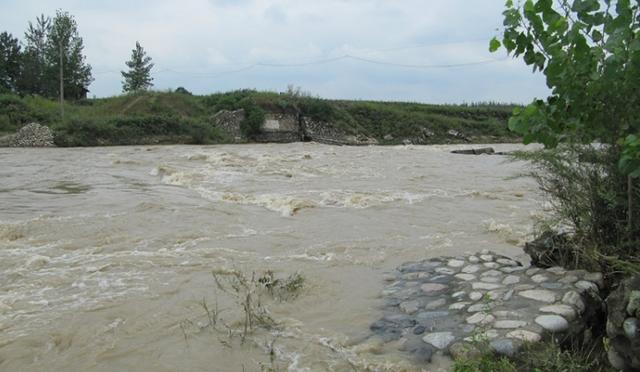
106 254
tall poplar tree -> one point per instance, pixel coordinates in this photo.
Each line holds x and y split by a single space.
63 38
34 79
9 62
139 75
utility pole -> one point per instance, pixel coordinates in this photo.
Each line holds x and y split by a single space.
61 81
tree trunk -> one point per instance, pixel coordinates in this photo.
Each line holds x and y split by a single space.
630 202
61 83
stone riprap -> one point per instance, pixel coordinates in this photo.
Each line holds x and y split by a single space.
30 135
448 304
230 121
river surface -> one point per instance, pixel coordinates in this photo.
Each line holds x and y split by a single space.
106 254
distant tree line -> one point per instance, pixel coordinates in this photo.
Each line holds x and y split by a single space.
32 67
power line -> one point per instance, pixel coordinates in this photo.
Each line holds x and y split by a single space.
426 45
434 66
333 60
213 74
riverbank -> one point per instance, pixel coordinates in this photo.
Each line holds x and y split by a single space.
251 116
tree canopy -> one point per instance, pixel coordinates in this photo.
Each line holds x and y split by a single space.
10 56
139 75
63 37
35 69
589 51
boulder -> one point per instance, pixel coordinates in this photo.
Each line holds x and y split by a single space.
427 133
455 134
364 140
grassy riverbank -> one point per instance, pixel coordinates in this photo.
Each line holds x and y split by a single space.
179 117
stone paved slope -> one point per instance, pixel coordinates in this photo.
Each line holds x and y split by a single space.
446 304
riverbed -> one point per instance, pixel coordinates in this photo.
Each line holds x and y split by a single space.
106 254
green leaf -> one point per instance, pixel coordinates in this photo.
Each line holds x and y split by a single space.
516 124
543 6
494 45
529 6
580 6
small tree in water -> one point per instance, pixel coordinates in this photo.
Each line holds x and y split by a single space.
139 75
589 51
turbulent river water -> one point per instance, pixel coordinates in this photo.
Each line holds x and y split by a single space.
106 254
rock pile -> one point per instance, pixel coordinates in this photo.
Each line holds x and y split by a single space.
31 135
446 304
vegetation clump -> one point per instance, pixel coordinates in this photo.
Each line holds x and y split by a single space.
589 52
248 293
546 356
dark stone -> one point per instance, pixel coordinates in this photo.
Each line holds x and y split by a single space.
412 267
619 302
400 320
505 346
442 279
552 285
467 328
388 331
408 293
421 350
419 330
428 315
378 326
392 301
391 334
480 151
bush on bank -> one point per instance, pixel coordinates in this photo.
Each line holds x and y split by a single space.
134 130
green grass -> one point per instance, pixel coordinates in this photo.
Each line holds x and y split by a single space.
546 356
175 117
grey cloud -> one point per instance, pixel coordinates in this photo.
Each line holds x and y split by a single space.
202 40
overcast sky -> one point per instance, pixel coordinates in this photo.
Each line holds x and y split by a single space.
409 50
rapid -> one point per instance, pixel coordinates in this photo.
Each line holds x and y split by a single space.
106 253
